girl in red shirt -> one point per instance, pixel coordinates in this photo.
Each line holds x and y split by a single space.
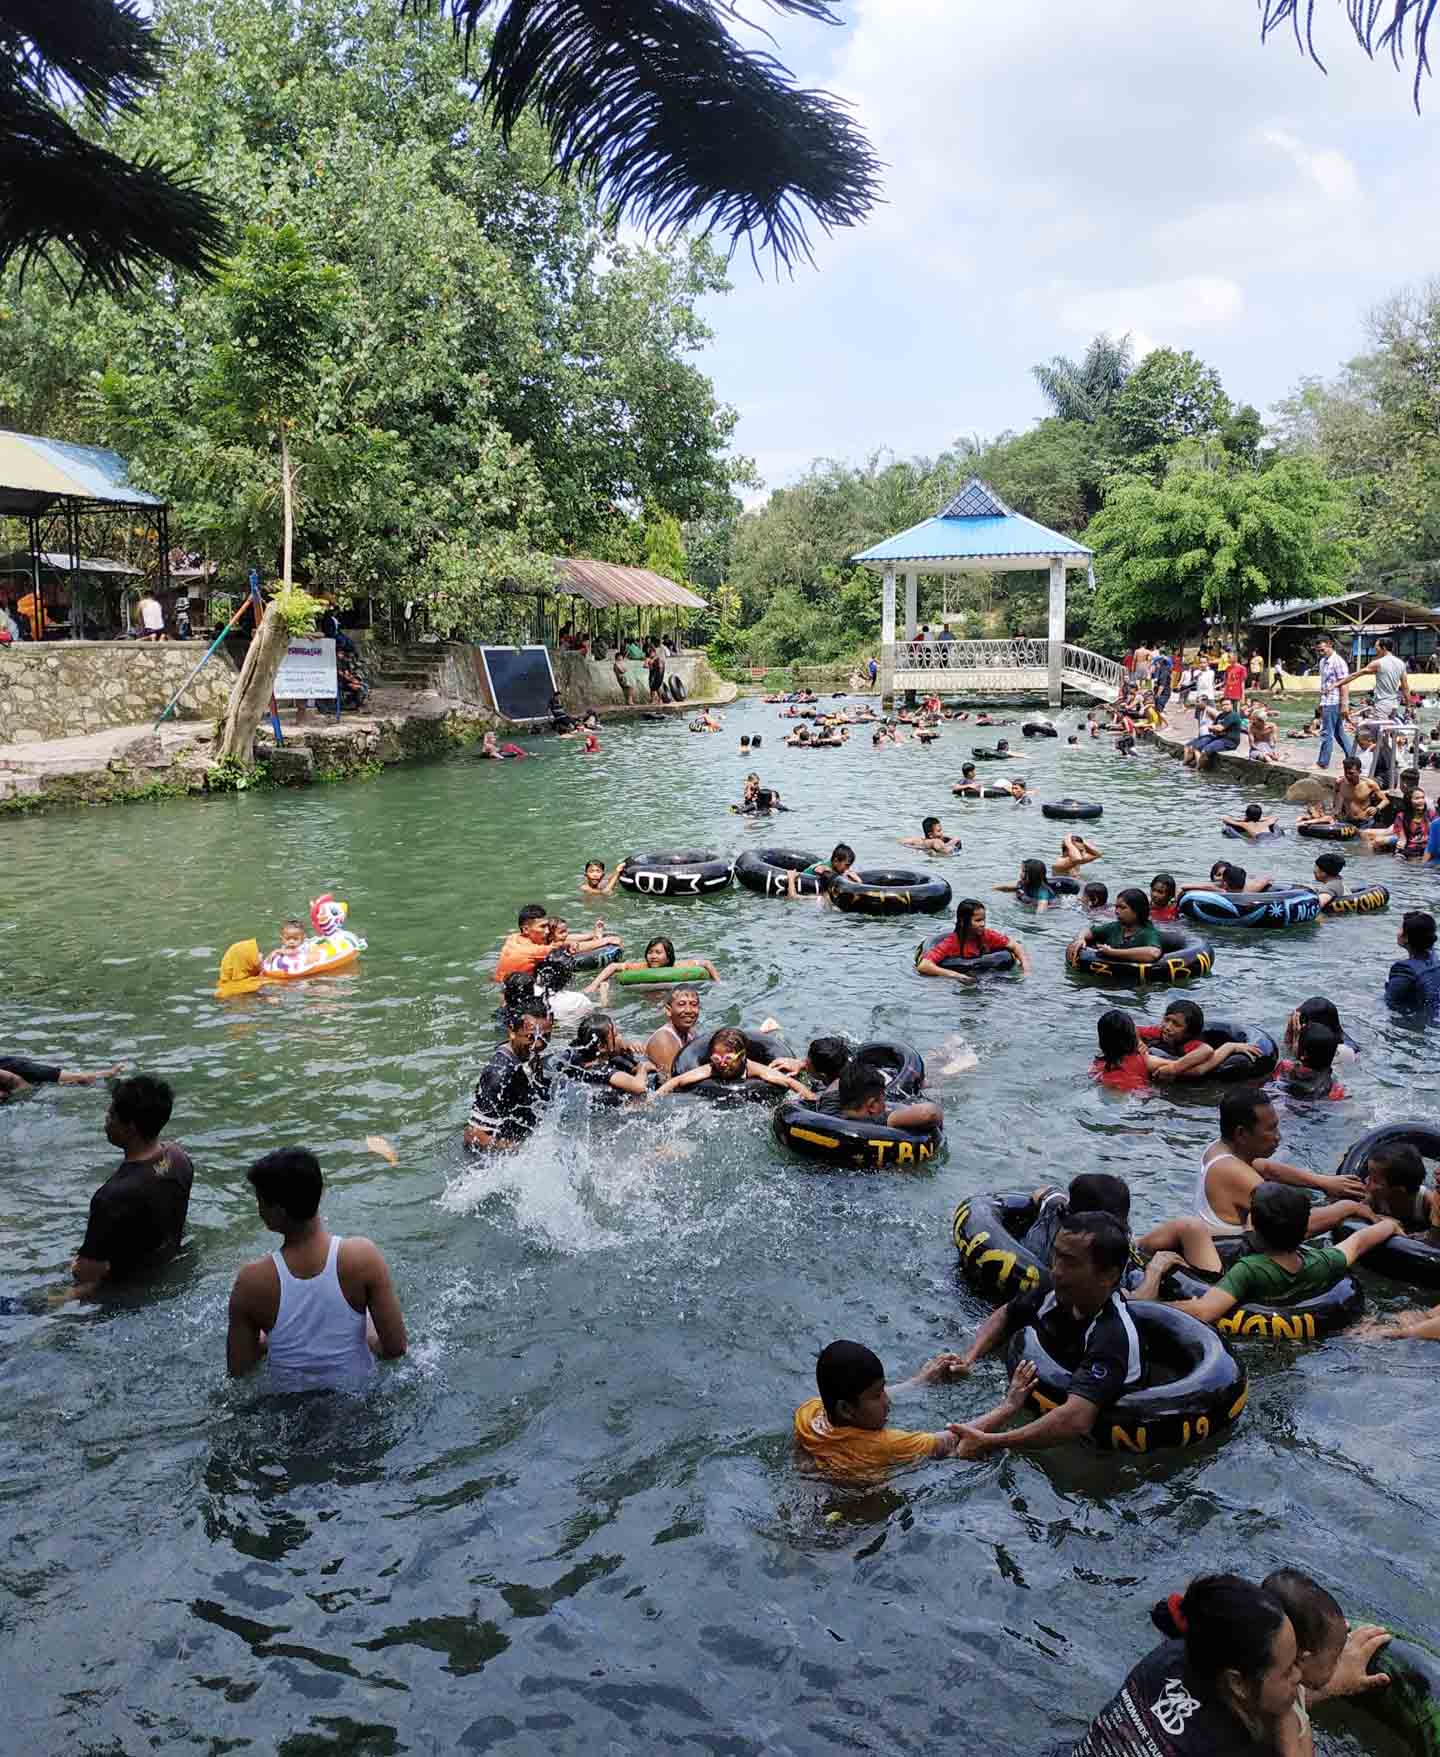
1163 894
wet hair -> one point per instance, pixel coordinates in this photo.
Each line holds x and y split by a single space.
859 1083
684 988
1033 876
533 1008
518 986
1332 865
1227 1624
1116 1032
842 851
1315 1616
1002 744
1318 1045
828 1056
590 863
967 770
144 1103
765 798
1018 781
965 911
594 1032
1109 1241
1233 877
1137 901
1417 927
552 973
668 946
292 921
1094 894
744 741
1100 1192
1279 1216
1351 762
844 1372
289 1178
1318 1010
1166 880
727 1037
1400 1164
1253 813
929 825
1239 1110
531 912
1190 1011
757 741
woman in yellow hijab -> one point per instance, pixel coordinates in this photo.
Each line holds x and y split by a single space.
240 970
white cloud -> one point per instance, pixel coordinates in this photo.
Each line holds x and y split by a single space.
1330 171
1160 308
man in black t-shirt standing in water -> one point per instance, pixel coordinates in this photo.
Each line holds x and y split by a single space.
1083 1325
137 1216
514 1083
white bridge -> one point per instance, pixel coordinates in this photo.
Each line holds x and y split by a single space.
1015 667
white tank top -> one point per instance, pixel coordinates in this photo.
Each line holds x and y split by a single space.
318 1342
1218 1228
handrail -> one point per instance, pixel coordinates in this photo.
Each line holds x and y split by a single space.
1017 655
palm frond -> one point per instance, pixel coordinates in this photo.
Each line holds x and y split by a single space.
118 218
657 105
1383 25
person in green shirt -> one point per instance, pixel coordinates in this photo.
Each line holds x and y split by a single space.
1130 938
1284 1272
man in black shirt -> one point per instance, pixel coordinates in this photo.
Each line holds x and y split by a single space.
1083 1325
514 1083
137 1216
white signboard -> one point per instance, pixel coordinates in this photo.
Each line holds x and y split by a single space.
307 672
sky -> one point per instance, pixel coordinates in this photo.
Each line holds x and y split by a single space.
1054 169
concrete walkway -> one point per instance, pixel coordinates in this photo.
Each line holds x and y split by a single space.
1296 761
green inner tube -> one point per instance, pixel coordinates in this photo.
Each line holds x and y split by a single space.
661 973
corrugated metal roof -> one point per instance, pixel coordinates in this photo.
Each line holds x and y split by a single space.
1272 615
58 561
34 472
604 585
974 539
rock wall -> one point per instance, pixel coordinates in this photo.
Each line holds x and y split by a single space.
62 689
584 683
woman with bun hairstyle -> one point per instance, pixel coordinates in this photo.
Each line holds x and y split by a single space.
1223 1684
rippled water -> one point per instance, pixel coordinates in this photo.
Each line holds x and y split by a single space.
570 1519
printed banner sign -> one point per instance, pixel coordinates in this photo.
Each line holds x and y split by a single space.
307 672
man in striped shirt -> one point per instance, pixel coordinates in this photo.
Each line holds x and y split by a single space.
1334 699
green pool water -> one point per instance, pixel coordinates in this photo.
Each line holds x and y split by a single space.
570 1519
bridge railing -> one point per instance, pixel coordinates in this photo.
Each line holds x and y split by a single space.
1016 655
1088 664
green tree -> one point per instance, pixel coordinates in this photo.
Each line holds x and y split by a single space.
1211 543
1171 396
1086 389
664 546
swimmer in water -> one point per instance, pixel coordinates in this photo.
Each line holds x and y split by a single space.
1094 896
1032 886
1233 880
1075 852
729 1063
595 883
1018 791
932 839
967 784
1164 894
842 858
1254 822
971 938
292 943
659 955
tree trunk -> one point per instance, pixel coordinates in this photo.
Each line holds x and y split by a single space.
250 698
287 497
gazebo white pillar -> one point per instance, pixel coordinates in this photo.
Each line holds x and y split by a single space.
887 636
1057 629
912 604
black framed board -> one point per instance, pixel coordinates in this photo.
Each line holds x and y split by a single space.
521 681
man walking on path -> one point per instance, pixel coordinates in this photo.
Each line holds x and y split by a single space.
321 1308
1334 700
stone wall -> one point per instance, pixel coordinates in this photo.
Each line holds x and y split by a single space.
584 683
62 689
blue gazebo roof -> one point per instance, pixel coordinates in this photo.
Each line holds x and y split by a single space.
975 530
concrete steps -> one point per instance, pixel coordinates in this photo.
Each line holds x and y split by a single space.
413 668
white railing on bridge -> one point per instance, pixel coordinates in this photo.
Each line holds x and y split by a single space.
1088 664
1016 655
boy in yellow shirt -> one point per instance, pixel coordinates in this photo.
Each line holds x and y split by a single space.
845 1430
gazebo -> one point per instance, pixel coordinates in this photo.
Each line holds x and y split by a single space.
975 532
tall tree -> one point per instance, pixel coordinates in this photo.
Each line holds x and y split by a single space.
1380 27
1086 389
1210 543
1171 396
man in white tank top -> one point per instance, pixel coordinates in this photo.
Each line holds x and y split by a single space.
1233 1168
321 1308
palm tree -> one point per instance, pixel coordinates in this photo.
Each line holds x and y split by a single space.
1085 390
118 218
1379 25
651 101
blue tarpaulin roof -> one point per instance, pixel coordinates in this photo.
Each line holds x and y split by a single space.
975 526
35 473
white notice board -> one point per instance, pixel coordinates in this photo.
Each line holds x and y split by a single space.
307 672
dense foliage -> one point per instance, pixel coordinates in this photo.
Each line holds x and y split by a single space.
493 376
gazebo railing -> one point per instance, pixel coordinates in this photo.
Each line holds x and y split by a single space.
1015 655
1090 664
